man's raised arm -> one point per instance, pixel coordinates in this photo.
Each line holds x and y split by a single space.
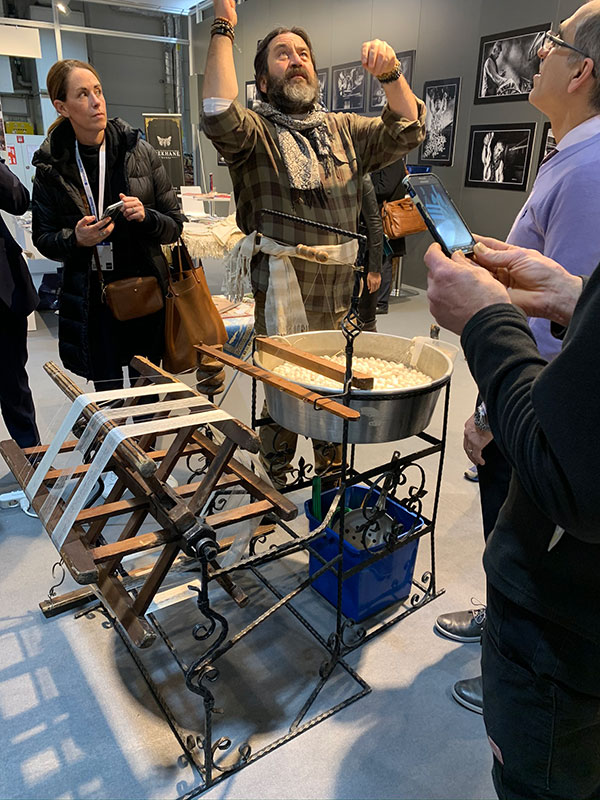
380 60
219 76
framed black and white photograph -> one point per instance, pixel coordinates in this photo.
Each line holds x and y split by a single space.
348 87
323 76
548 143
507 63
251 95
499 156
441 100
376 91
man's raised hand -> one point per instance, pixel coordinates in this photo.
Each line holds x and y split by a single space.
378 57
226 9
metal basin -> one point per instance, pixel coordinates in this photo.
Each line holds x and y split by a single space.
385 415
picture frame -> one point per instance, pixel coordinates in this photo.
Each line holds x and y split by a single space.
507 63
548 143
348 87
250 94
441 99
500 156
377 97
323 76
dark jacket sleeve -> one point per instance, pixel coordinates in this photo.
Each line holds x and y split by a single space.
372 219
388 182
163 223
543 417
14 197
52 240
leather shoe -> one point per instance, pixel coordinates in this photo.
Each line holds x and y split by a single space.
462 626
469 693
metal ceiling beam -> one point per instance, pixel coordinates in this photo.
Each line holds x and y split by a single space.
122 34
132 6
30 23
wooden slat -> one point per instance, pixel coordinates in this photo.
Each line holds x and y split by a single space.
324 403
134 503
323 366
118 600
255 486
235 430
127 547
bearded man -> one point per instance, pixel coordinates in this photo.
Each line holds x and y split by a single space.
288 154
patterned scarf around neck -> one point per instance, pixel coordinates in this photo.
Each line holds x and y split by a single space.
303 142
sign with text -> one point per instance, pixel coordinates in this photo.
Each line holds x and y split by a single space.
163 132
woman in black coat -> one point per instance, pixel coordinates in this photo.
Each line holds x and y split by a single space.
67 224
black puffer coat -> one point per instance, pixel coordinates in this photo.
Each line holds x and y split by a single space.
133 168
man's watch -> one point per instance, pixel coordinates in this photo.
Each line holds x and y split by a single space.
480 418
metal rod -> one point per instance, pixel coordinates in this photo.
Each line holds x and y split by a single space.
57 36
359 236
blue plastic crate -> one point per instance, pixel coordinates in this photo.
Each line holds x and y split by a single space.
378 585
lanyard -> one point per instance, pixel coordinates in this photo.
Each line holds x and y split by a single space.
97 212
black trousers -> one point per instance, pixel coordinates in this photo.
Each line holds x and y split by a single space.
541 705
366 308
383 295
113 344
16 401
494 479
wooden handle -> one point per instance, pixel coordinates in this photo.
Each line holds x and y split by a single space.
301 358
321 401
304 251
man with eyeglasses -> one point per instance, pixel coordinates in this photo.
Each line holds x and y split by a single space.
560 219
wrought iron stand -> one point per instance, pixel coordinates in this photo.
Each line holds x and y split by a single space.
348 635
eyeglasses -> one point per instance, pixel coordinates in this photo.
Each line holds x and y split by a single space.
551 40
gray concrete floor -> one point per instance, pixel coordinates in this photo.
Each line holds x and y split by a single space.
78 722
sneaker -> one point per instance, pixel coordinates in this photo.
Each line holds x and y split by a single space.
462 626
469 693
471 474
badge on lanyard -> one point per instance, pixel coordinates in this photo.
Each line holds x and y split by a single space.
105 256
104 249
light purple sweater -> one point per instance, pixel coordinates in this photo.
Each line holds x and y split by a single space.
561 219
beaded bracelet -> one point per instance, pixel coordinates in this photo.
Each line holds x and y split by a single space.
392 75
218 29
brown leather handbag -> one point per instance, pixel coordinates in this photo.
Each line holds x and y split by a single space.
401 218
130 298
191 317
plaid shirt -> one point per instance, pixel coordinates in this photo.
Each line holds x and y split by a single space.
249 144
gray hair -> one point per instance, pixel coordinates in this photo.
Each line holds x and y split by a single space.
587 38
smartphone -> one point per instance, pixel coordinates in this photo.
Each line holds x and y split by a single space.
113 210
440 214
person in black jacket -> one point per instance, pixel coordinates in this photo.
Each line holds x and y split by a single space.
388 186
541 641
18 299
68 200
372 253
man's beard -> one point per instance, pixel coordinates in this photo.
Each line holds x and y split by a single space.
293 97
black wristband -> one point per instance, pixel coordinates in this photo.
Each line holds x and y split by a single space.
393 75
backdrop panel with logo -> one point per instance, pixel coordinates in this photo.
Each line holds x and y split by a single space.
163 131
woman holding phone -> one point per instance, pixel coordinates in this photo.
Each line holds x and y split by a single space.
87 164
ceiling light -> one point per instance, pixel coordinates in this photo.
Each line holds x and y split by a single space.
64 8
